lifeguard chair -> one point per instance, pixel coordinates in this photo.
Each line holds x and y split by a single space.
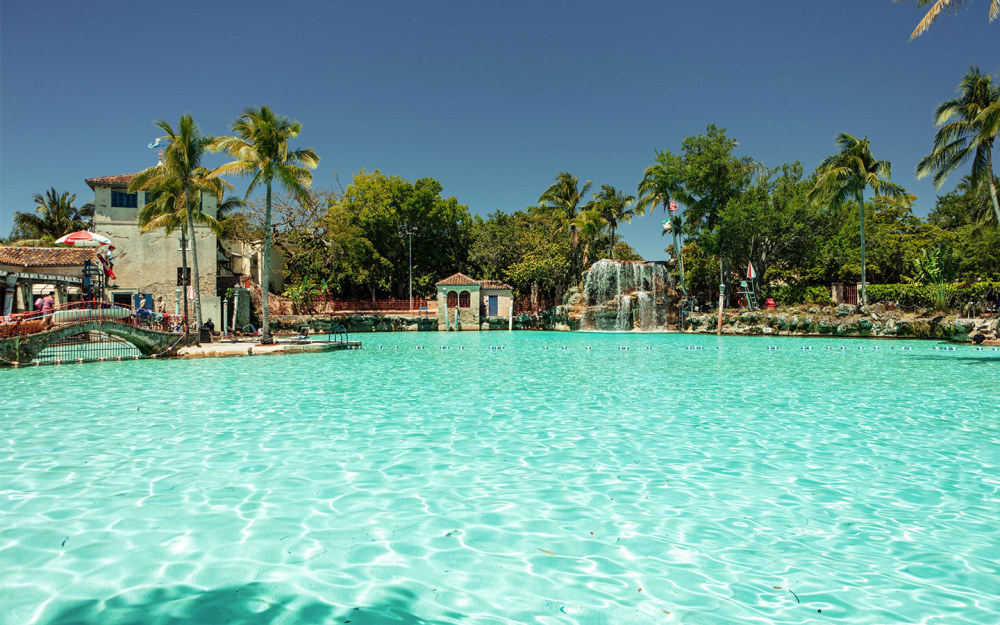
747 292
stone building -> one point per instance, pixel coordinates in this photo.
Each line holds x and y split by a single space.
149 264
467 304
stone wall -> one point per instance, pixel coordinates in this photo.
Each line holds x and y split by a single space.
846 320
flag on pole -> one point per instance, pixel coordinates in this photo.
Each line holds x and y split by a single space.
750 272
673 206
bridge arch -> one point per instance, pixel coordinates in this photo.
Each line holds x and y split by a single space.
24 349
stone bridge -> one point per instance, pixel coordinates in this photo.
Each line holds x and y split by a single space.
24 349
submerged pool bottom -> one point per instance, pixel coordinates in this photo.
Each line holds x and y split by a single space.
508 478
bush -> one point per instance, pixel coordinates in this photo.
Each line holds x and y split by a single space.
792 295
904 295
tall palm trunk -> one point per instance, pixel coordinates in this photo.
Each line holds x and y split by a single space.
574 242
993 187
184 266
864 290
194 260
265 280
680 257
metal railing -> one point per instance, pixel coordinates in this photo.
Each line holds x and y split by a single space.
23 324
337 334
335 305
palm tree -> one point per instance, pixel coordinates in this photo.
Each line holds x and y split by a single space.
616 208
561 204
976 115
845 176
56 216
261 150
660 184
589 226
939 7
180 176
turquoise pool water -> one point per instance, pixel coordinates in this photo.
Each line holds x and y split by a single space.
686 479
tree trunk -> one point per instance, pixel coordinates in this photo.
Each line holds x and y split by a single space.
194 260
184 264
680 258
993 188
265 279
574 240
864 290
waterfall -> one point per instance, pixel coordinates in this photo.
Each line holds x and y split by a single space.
624 323
613 288
645 313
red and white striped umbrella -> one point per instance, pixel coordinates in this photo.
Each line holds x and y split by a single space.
84 238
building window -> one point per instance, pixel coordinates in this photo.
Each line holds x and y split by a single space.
121 199
452 299
463 300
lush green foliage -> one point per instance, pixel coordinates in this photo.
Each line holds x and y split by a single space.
55 215
969 125
906 296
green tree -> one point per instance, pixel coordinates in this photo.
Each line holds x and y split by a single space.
963 219
181 176
384 208
844 176
590 226
936 267
560 205
661 183
969 135
260 150
616 208
940 6
772 223
55 215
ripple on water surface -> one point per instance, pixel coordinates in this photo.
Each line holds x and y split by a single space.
578 484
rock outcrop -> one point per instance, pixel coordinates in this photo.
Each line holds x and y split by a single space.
846 320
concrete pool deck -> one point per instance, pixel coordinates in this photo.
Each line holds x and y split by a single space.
226 349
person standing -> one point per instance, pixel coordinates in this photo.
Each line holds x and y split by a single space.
48 303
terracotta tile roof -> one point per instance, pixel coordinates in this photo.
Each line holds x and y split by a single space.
45 256
121 180
458 279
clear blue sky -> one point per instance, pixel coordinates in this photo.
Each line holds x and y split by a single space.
491 98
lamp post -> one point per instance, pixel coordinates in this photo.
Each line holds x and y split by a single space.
408 231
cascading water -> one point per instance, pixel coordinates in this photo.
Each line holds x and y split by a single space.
626 295
623 321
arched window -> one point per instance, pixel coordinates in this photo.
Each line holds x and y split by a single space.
463 300
452 299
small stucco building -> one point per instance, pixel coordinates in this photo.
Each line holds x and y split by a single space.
27 272
467 304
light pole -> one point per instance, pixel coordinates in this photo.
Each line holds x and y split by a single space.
409 233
